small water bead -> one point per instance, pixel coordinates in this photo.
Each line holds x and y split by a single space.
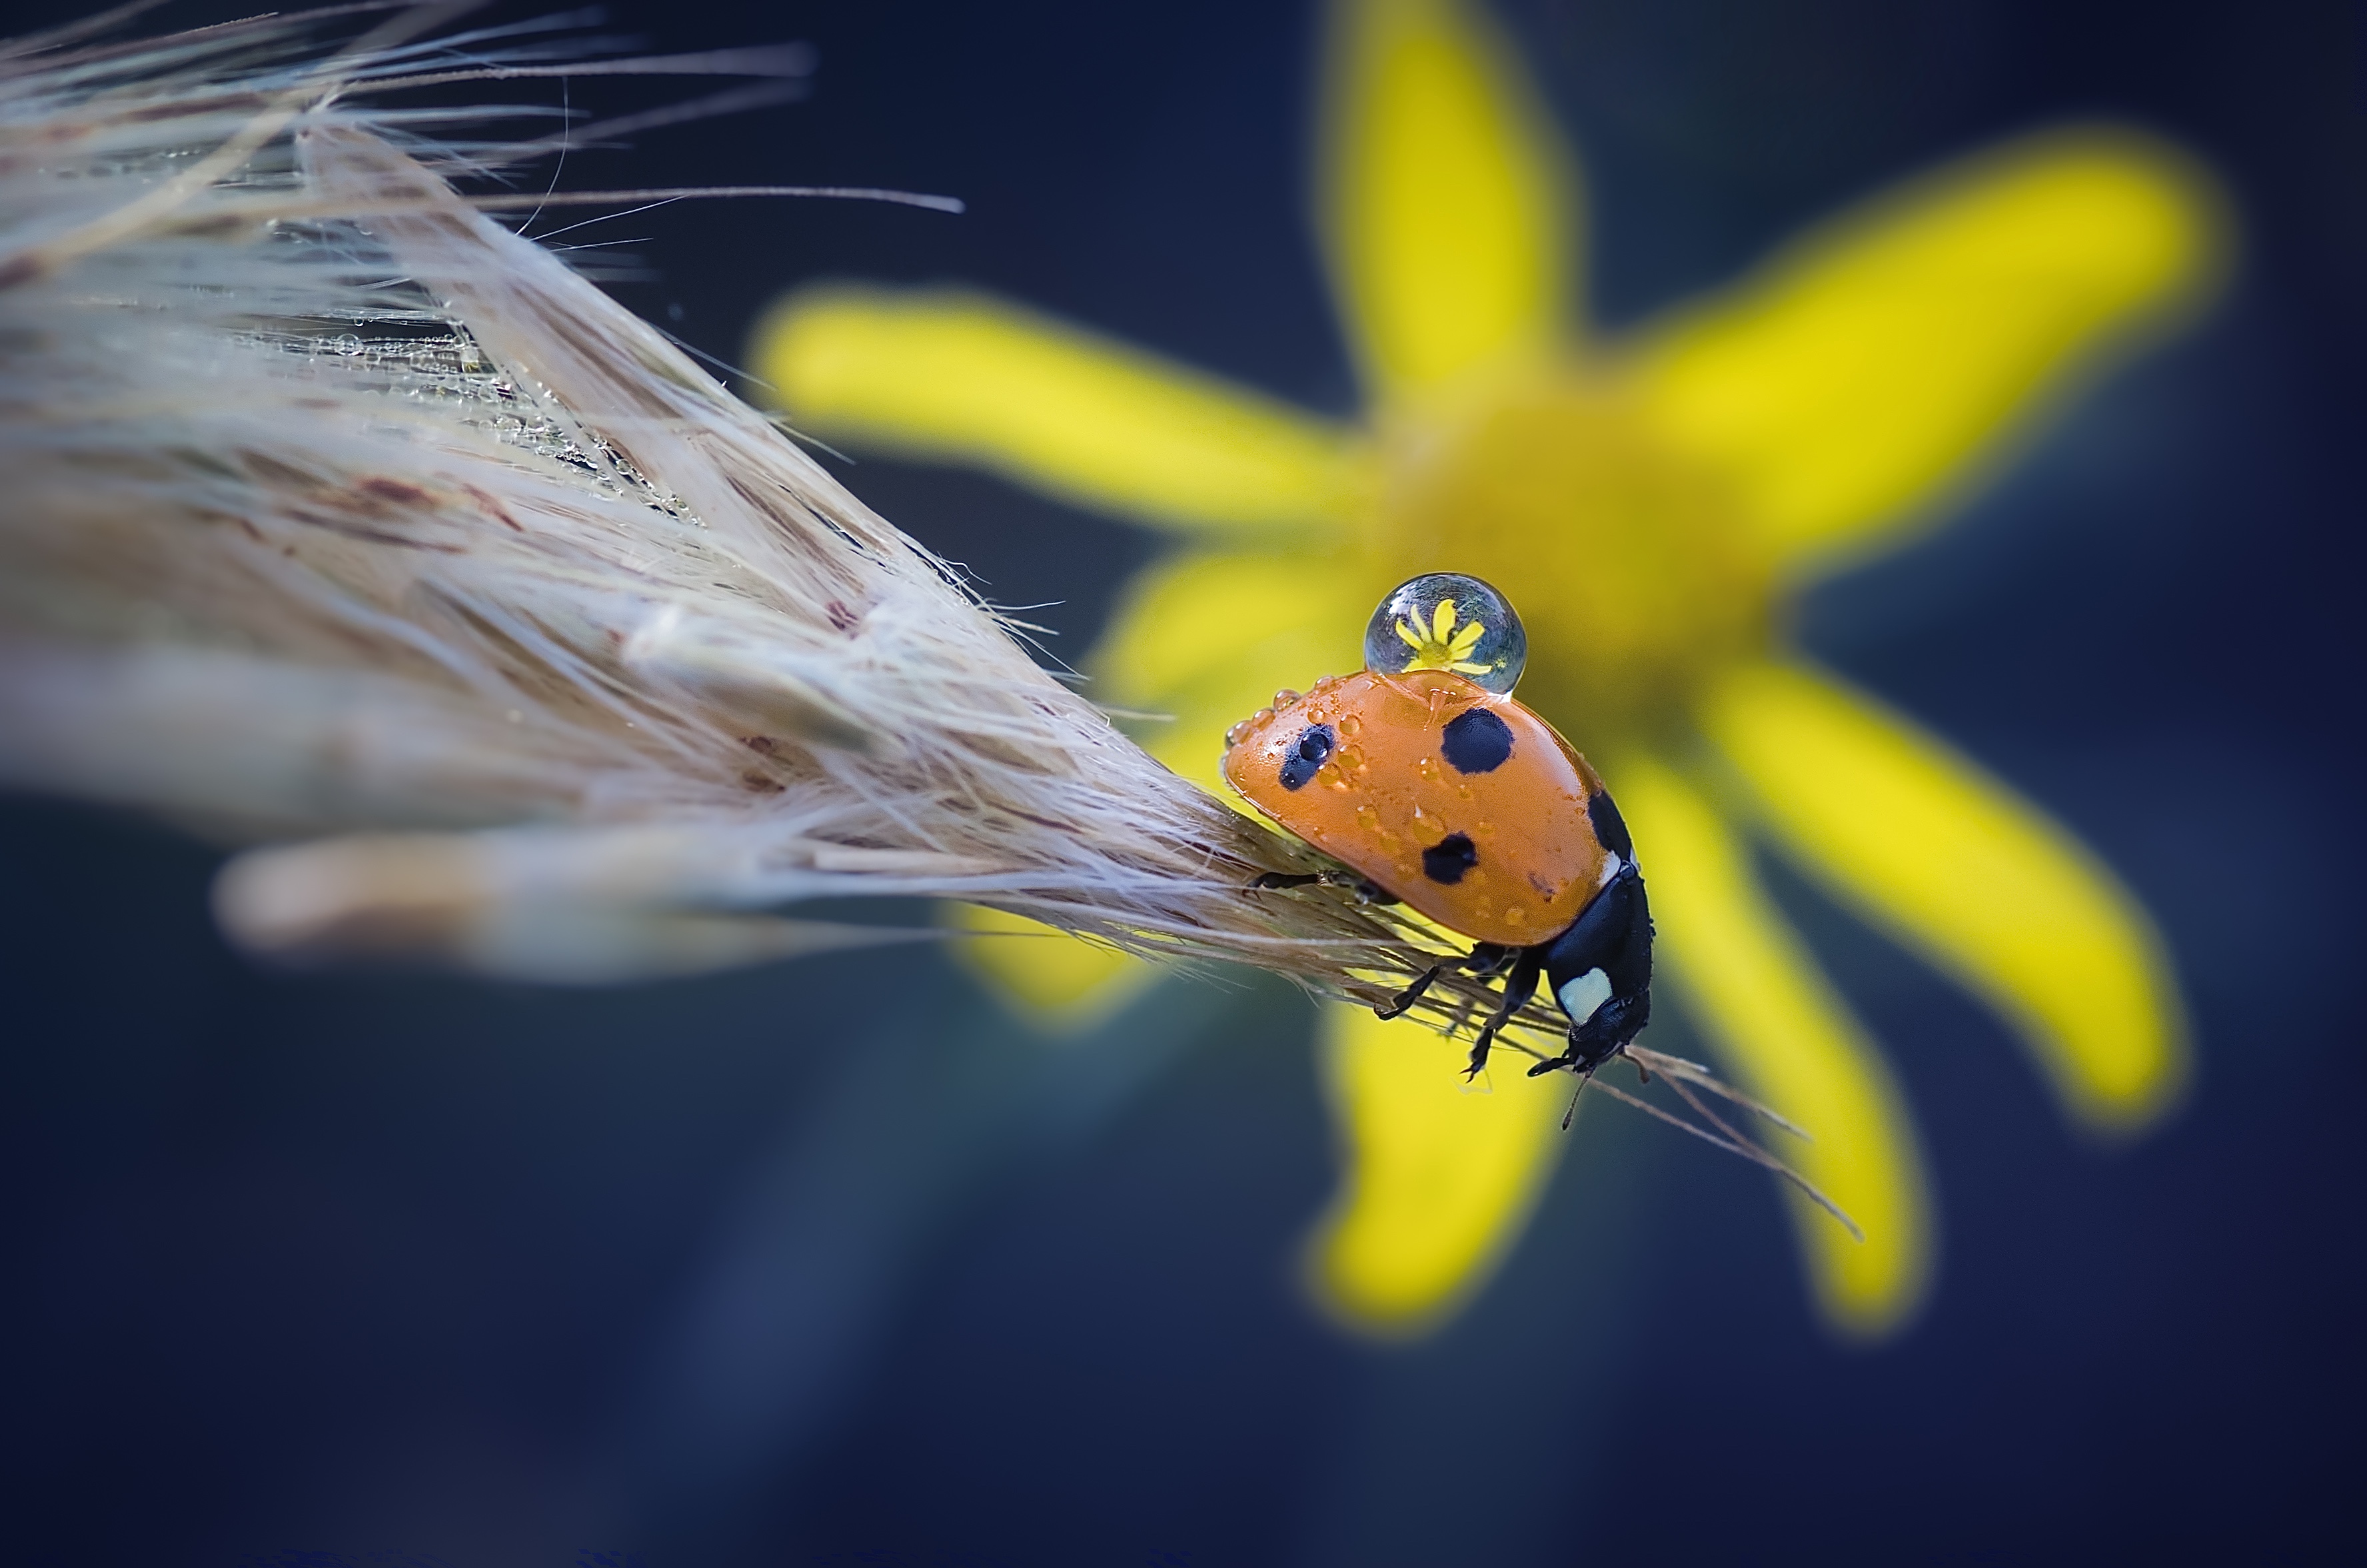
1446 620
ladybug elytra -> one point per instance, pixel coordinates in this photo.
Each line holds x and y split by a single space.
1424 776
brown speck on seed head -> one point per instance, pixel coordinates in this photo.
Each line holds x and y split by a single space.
397 492
493 508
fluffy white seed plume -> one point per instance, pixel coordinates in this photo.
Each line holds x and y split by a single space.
342 522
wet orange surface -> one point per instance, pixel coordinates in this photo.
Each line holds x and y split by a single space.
1502 853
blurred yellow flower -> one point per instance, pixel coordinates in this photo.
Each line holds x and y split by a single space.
1650 502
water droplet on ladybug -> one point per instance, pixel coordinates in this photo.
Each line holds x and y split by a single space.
1447 621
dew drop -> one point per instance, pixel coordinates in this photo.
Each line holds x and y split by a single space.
1405 632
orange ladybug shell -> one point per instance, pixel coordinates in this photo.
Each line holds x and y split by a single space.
1463 804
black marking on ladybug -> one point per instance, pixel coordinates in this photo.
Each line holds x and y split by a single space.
1475 741
1313 749
1610 831
1446 861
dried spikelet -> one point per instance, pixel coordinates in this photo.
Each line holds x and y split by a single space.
346 523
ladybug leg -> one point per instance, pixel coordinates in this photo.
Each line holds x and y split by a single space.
1396 1006
1367 892
1519 987
1487 957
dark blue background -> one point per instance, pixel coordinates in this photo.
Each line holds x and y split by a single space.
833 1265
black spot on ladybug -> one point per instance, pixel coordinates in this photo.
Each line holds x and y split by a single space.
1609 830
1475 741
1446 861
1299 765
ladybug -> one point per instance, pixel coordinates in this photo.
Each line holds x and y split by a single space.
1424 776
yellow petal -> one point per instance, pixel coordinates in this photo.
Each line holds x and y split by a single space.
967 378
1774 1024
1875 367
1446 199
1058 983
1296 618
1440 1176
1923 841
